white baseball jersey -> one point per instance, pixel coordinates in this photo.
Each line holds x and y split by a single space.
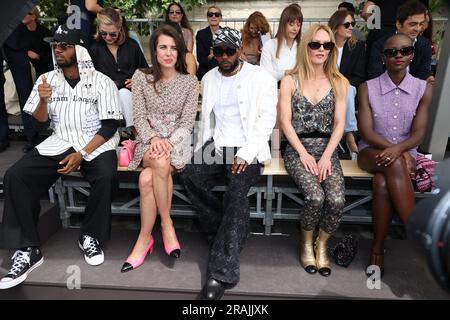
75 113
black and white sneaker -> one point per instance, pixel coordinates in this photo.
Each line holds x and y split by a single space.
25 261
93 254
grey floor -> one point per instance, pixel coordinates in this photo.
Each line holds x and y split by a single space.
269 268
269 265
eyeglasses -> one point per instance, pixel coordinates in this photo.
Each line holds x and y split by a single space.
219 51
61 45
391 53
316 45
177 13
214 14
111 34
348 24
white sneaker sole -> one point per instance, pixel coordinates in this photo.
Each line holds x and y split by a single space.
22 278
96 261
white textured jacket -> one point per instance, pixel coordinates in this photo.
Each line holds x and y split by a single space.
257 96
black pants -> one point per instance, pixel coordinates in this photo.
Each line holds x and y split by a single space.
31 177
226 221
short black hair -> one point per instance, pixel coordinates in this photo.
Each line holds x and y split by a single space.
347 5
409 9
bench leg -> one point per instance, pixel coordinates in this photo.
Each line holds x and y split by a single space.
63 214
268 219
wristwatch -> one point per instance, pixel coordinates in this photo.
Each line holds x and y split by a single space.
83 153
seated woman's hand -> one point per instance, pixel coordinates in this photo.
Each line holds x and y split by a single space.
388 156
160 148
309 163
324 166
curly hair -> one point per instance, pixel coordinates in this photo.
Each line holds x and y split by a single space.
259 21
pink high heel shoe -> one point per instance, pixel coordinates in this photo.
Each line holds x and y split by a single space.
133 264
173 251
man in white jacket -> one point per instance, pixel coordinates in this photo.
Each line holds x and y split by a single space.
238 116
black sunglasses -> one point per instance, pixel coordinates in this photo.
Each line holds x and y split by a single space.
391 53
61 45
316 45
175 12
111 34
219 51
348 24
214 14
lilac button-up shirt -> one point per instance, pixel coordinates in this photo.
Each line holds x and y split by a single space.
394 108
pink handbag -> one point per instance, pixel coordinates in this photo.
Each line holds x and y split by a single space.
126 153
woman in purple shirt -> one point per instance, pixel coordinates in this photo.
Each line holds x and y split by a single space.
392 119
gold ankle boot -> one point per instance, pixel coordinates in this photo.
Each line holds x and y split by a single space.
307 259
321 250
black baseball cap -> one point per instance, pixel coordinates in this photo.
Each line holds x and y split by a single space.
65 34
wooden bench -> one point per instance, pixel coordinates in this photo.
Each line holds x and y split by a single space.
357 194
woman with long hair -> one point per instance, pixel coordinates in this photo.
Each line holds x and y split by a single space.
352 64
392 120
255 33
176 13
165 101
279 54
312 117
191 64
118 56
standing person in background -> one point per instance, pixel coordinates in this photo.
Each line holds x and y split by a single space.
280 54
351 63
89 10
39 51
165 99
15 52
204 39
255 33
176 13
312 117
118 56
4 127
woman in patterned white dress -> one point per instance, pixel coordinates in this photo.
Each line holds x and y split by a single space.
165 99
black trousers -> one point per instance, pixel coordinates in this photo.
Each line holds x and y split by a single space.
226 221
31 177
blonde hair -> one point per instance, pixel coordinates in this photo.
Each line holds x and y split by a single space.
304 70
110 16
214 7
35 12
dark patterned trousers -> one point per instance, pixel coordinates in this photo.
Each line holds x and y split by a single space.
225 221
324 202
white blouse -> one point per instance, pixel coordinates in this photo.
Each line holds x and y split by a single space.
286 61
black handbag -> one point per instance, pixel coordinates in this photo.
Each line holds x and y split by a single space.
345 251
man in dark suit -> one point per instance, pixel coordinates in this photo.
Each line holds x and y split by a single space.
410 21
204 38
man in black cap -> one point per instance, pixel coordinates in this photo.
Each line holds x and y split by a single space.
81 105
238 115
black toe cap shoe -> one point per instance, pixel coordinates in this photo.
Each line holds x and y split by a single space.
213 290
